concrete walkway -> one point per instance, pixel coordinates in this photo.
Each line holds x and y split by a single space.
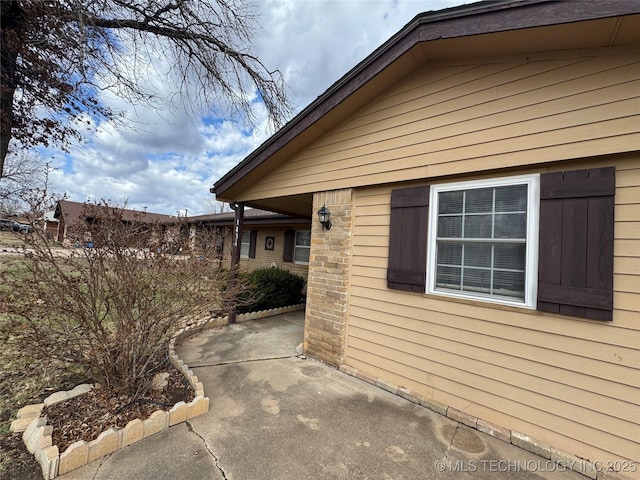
277 416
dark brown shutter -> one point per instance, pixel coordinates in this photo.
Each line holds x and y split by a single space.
407 267
253 237
289 239
575 267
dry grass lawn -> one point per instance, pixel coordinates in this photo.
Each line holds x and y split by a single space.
22 380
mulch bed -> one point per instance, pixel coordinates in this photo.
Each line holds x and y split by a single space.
85 417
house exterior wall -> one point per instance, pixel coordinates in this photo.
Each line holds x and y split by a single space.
266 258
453 117
51 230
62 230
571 383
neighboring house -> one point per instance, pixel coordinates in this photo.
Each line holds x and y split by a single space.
482 170
71 214
268 239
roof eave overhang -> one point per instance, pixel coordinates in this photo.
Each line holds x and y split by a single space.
264 221
496 16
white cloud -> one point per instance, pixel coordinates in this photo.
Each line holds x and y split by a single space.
167 162
314 43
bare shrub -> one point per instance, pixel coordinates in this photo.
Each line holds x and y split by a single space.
110 305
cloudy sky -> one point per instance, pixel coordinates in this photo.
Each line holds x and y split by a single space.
168 162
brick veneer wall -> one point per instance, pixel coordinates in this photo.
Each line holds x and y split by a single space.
328 280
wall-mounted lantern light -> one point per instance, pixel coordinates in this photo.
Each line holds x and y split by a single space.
324 216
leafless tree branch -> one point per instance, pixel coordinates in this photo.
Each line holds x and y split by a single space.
57 55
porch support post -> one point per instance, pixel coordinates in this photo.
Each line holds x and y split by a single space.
326 316
235 251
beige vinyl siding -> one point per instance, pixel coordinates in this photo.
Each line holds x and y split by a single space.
449 119
569 382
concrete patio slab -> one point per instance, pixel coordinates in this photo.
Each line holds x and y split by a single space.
274 337
278 416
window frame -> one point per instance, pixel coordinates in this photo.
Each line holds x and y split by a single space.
247 243
532 232
296 247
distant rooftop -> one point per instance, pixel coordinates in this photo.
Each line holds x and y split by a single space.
73 211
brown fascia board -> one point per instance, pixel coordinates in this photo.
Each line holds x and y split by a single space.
256 217
466 20
285 220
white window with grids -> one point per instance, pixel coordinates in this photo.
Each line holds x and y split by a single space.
302 246
483 240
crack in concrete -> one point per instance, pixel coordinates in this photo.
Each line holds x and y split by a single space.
102 460
213 455
453 436
234 362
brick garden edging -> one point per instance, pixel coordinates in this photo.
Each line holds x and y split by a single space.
37 435
569 462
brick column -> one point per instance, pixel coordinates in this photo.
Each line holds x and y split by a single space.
328 280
